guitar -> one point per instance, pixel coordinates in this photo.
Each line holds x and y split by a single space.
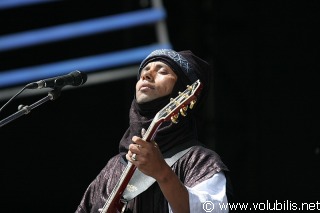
171 111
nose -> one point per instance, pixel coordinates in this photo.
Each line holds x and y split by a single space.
147 75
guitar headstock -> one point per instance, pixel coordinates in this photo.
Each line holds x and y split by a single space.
180 104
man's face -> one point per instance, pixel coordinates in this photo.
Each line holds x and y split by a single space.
156 80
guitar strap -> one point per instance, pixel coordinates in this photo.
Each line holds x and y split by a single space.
140 182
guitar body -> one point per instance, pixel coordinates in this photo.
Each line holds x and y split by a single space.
178 105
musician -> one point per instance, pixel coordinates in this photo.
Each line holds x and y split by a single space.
197 181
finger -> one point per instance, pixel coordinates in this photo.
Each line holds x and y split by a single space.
139 141
135 148
134 157
128 157
131 157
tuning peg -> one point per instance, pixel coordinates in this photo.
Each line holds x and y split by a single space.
183 110
174 118
192 103
172 100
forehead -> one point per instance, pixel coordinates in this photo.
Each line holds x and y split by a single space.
158 64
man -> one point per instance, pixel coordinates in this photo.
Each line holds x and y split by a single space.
196 182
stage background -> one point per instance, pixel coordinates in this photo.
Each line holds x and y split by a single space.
262 113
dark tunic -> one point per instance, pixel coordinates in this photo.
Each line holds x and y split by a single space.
197 165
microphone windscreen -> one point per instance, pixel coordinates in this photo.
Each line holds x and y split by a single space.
79 78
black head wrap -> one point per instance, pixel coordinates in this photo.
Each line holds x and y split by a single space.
188 68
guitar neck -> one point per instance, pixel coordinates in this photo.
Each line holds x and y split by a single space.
114 203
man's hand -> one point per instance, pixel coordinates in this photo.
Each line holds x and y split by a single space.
148 158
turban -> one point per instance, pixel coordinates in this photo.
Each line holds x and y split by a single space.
188 67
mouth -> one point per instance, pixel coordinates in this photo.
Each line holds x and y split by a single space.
146 87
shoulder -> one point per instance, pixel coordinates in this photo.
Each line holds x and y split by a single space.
201 155
113 163
201 149
199 164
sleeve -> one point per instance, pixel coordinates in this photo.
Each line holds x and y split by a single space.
209 195
88 197
98 191
80 210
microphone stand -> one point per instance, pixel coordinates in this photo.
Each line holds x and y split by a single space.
52 95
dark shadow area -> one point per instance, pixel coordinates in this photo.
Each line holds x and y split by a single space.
262 113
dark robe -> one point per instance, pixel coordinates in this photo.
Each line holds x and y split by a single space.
197 165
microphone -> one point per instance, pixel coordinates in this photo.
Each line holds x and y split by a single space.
75 78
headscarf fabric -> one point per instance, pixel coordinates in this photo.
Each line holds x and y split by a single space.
188 68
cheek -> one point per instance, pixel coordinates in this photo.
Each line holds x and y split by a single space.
169 87
137 90
138 84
